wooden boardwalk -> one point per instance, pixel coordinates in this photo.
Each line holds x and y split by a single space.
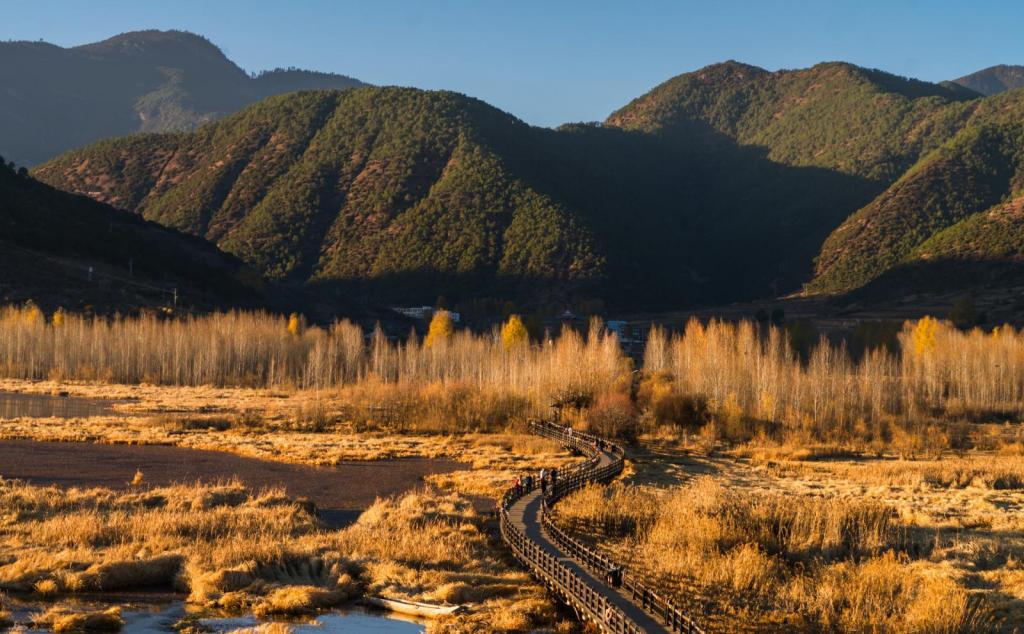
571 570
525 515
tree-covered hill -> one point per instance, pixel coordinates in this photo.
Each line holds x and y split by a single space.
938 154
402 195
724 184
836 116
60 249
935 208
53 99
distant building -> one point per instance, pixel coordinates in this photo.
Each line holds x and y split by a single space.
422 313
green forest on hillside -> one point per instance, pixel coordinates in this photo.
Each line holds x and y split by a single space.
939 153
397 194
723 184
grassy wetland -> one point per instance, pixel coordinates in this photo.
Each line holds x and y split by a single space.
771 491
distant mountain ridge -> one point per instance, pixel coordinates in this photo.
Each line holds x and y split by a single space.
994 79
834 115
53 99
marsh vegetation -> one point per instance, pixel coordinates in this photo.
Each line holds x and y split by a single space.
774 488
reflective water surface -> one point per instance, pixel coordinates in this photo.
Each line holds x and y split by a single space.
18 405
160 618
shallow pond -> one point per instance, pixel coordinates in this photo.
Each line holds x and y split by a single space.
20 405
341 492
159 618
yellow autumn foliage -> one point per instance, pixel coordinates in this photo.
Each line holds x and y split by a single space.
924 335
441 329
514 333
294 325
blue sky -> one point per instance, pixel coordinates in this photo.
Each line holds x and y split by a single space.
554 61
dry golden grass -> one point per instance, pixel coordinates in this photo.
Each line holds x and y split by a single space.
295 600
980 471
494 459
845 544
243 551
764 562
462 379
62 619
265 628
794 531
5 615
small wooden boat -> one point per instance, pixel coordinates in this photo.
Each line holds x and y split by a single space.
415 608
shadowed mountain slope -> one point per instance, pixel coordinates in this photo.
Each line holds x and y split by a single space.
938 154
59 249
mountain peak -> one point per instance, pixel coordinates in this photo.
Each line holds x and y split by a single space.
57 98
134 41
994 79
168 48
804 117
729 70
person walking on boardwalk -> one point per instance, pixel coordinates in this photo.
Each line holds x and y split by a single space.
614 576
519 486
543 486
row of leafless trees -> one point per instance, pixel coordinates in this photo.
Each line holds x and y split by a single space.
742 372
263 350
746 372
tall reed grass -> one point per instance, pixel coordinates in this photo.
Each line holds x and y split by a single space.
748 562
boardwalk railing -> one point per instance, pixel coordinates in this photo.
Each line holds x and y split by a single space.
591 605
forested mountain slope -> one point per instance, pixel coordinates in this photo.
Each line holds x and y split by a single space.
937 154
723 184
994 79
394 194
837 116
977 170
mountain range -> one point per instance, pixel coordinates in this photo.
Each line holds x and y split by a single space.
723 184
397 194
54 99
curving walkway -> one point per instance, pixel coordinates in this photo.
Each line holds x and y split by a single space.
526 515
571 570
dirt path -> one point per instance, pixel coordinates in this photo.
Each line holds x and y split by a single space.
341 492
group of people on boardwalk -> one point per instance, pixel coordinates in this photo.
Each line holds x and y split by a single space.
545 480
